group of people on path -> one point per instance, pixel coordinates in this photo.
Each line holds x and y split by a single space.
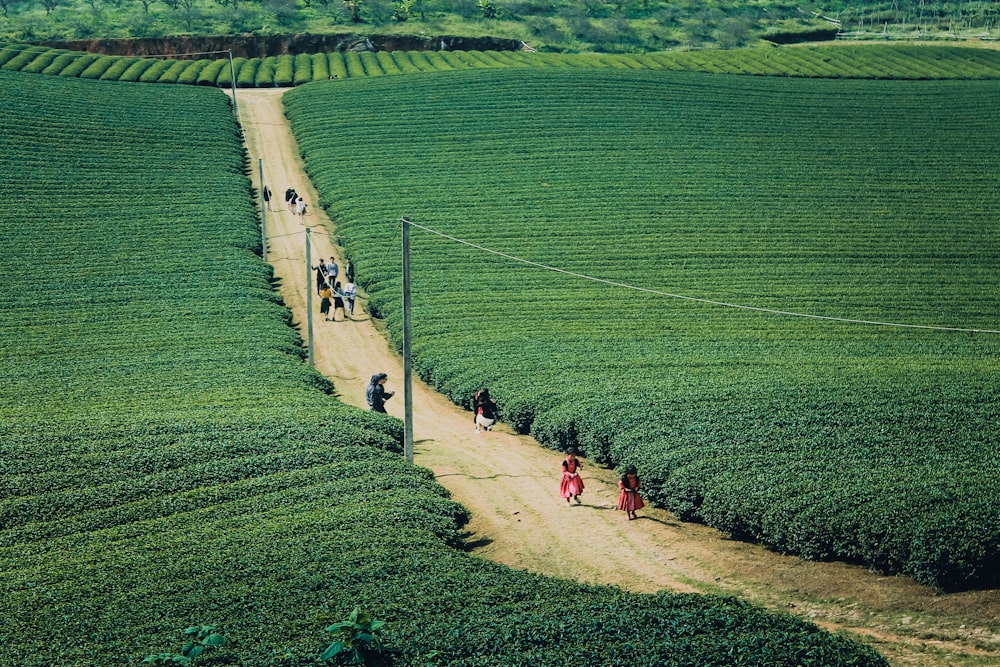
332 294
571 485
294 202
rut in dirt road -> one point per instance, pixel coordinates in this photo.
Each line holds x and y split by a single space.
510 484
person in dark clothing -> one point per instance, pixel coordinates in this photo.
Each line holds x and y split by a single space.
266 193
349 271
376 393
320 275
485 409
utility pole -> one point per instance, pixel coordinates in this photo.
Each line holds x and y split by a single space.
232 73
407 365
263 212
309 298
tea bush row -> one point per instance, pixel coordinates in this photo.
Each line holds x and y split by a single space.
167 459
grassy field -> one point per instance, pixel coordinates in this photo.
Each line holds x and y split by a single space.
743 237
169 461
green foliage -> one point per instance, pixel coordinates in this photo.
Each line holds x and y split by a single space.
165 454
284 71
829 439
871 61
200 638
356 641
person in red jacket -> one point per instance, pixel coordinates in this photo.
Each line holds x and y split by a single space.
629 499
571 484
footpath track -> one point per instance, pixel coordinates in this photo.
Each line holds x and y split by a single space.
510 484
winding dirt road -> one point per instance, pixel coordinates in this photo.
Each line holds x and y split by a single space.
509 483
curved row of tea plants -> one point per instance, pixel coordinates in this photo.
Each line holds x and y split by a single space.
839 61
168 460
841 199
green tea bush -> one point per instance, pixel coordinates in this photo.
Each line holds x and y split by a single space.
153 73
191 74
137 69
19 57
173 72
95 69
303 69
320 67
264 76
117 69
213 72
246 75
78 65
284 71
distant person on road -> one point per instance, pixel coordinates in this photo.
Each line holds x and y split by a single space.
320 275
485 409
300 206
349 271
338 302
376 393
266 194
571 484
350 291
629 499
325 295
290 197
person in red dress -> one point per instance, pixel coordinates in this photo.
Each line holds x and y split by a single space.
571 484
629 499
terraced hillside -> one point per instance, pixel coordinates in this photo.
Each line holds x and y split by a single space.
868 61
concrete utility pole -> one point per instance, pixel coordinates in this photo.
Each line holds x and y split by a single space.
407 365
309 297
263 212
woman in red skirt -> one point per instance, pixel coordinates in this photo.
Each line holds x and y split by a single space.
571 484
629 499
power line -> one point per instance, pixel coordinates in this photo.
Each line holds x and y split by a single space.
725 304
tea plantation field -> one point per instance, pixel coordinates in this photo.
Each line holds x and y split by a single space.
733 204
167 459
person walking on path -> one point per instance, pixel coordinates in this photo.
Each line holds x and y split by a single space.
300 206
349 271
485 409
338 303
629 499
290 197
266 194
376 393
332 270
350 291
320 276
571 484
325 296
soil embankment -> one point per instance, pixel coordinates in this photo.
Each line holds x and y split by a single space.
510 483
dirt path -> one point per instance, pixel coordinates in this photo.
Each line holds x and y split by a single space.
509 482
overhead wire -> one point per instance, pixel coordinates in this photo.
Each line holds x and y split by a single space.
772 311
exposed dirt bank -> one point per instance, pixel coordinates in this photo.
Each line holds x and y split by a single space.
261 46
